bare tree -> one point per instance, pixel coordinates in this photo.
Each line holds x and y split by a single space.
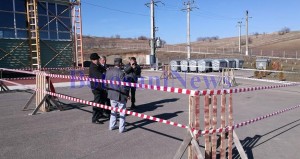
284 31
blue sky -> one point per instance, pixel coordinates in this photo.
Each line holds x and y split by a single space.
131 18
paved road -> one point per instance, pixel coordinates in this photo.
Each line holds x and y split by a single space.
70 133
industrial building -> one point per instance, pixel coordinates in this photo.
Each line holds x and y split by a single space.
40 33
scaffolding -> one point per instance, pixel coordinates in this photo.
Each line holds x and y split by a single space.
77 30
50 35
34 41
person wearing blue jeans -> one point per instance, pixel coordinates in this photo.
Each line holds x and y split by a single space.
117 94
113 116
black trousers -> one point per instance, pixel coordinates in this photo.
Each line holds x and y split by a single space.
105 101
97 112
132 91
100 96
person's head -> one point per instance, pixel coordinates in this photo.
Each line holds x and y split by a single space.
132 60
118 62
102 60
94 58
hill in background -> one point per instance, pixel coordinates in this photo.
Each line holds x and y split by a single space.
260 44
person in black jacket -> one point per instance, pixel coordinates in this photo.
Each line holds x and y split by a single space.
117 94
105 101
132 73
96 87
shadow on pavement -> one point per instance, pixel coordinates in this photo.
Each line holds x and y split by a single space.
140 124
71 106
250 142
145 122
153 105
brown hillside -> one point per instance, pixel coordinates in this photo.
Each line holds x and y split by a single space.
265 44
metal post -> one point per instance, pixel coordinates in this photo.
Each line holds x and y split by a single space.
240 25
152 40
156 64
188 32
247 49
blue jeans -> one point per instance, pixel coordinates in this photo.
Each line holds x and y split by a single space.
113 116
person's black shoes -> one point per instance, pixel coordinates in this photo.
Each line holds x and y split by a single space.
106 115
97 122
132 106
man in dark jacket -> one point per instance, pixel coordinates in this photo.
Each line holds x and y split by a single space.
95 86
117 94
103 68
132 73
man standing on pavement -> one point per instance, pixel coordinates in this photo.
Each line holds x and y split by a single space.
105 101
117 94
132 73
95 86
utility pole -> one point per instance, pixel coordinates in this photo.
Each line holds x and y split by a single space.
188 35
152 38
247 40
188 9
240 26
152 32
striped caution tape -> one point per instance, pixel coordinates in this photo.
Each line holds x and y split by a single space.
248 122
74 99
167 89
144 116
45 69
20 78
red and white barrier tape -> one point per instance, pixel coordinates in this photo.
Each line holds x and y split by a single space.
19 71
20 78
45 69
220 130
167 89
173 89
143 116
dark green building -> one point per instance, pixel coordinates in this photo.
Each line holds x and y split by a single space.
55 34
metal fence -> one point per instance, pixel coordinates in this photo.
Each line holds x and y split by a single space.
282 54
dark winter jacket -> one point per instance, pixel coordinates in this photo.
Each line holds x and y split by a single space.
95 72
132 74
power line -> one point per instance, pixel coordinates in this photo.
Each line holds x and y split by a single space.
214 17
116 10
201 13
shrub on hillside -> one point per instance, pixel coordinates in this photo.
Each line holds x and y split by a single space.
284 31
281 76
256 34
208 38
256 74
243 41
142 38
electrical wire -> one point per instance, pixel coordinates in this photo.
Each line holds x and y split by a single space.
116 10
